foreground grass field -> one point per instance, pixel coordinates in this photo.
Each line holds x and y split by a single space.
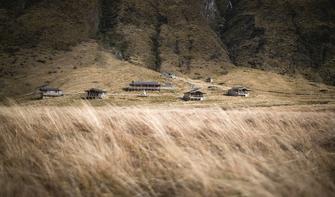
111 151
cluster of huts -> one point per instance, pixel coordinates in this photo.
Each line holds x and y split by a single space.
198 95
195 94
93 93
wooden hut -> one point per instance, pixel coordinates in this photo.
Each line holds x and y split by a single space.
143 94
194 95
209 80
94 93
144 85
47 91
169 75
238 91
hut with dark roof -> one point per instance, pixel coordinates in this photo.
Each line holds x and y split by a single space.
169 75
144 85
194 95
95 93
47 91
209 80
239 91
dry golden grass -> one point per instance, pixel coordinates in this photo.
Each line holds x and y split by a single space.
110 151
88 66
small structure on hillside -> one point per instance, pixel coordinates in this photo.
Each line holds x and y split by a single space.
143 94
194 95
144 85
169 75
209 80
95 93
238 91
47 91
213 87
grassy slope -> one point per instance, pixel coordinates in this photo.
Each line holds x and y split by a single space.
187 42
87 66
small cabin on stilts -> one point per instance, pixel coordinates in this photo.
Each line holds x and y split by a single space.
47 91
209 80
239 91
94 93
169 75
144 85
194 95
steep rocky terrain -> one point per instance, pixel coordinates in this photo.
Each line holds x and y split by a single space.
164 34
188 36
286 36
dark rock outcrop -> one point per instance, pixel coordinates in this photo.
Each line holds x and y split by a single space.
282 36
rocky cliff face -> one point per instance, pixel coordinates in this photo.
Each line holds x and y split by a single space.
190 36
169 35
285 36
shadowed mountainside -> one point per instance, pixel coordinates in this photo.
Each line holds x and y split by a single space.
51 24
285 36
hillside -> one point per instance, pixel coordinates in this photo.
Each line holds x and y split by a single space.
88 65
49 24
285 36
186 36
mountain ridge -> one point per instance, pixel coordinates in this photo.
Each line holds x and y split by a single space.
182 35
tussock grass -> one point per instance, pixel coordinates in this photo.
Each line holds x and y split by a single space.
110 151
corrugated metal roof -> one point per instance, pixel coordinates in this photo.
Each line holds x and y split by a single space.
96 90
197 90
46 88
240 88
144 83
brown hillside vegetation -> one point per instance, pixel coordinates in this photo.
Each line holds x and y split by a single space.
86 151
188 36
87 66
51 24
